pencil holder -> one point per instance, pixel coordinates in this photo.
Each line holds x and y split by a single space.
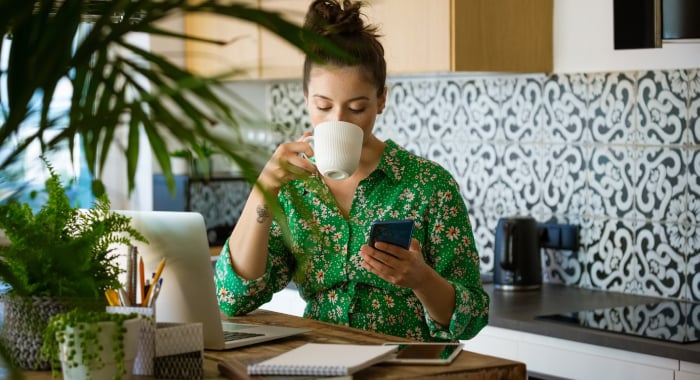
179 351
143 364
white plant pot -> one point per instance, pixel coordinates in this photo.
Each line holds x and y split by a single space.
106 368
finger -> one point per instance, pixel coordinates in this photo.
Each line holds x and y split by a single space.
395 251
305 135
288 158
377 258
301 163
415 245
382 270
301 148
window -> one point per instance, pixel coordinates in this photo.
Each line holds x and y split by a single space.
28 173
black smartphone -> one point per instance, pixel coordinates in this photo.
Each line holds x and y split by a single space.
397 232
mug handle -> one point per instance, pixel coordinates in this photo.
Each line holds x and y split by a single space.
310 141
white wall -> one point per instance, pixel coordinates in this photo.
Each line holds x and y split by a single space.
583 42
114 172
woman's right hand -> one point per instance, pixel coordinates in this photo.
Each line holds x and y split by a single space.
287 164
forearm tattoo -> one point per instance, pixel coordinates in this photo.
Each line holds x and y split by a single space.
263 213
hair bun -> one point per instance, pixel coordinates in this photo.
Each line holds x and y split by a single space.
343 26
328 17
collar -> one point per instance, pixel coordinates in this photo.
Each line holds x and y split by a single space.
391 162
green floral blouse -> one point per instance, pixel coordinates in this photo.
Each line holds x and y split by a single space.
323 259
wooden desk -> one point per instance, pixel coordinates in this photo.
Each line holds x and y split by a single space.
468 365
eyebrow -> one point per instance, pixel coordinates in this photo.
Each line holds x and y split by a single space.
349 100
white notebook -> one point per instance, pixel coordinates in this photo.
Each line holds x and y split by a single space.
321 359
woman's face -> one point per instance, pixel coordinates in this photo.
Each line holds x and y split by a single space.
345 94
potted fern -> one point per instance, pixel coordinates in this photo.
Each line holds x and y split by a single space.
58 258
87 344
147 92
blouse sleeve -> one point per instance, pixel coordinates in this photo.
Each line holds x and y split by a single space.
238 296
452 253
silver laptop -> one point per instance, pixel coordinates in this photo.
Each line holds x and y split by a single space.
188 293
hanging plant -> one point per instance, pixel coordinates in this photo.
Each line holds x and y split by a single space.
79 331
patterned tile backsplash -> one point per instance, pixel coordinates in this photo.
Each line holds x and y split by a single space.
615 153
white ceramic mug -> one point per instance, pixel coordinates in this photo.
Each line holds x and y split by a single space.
337 147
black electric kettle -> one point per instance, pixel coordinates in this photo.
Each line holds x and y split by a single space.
517 260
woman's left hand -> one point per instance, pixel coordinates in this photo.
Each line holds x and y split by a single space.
395 264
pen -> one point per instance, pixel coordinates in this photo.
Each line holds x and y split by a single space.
159 271
156 291
124 297
129 272
132 273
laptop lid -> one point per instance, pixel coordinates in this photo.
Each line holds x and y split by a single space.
188 293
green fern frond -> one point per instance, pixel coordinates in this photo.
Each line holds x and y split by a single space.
61 250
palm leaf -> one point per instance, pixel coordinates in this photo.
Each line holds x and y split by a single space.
135 91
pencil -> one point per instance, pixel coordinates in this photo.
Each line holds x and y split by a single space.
142 279
159 271
112 297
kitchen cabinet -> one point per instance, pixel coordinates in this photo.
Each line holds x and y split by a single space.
465 35
238 48
502 35
249 51
563 348
546 356
415 34
278 58
418 37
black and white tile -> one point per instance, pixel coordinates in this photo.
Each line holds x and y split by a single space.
220 201
661 179
662 107
611 178
564 109
693 134
610 109
615 153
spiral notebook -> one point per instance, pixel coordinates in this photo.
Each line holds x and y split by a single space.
323 359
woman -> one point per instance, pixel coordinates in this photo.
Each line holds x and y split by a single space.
432 291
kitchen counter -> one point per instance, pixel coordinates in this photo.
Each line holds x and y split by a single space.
517 311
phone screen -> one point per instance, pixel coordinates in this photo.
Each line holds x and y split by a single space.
397 232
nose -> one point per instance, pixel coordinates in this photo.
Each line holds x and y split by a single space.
340 115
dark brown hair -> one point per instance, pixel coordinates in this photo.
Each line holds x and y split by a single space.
344 27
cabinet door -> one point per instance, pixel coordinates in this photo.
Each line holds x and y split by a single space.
418 37
415 34
239 53
503 35
280 59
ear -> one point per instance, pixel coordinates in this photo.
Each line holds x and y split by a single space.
381 101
